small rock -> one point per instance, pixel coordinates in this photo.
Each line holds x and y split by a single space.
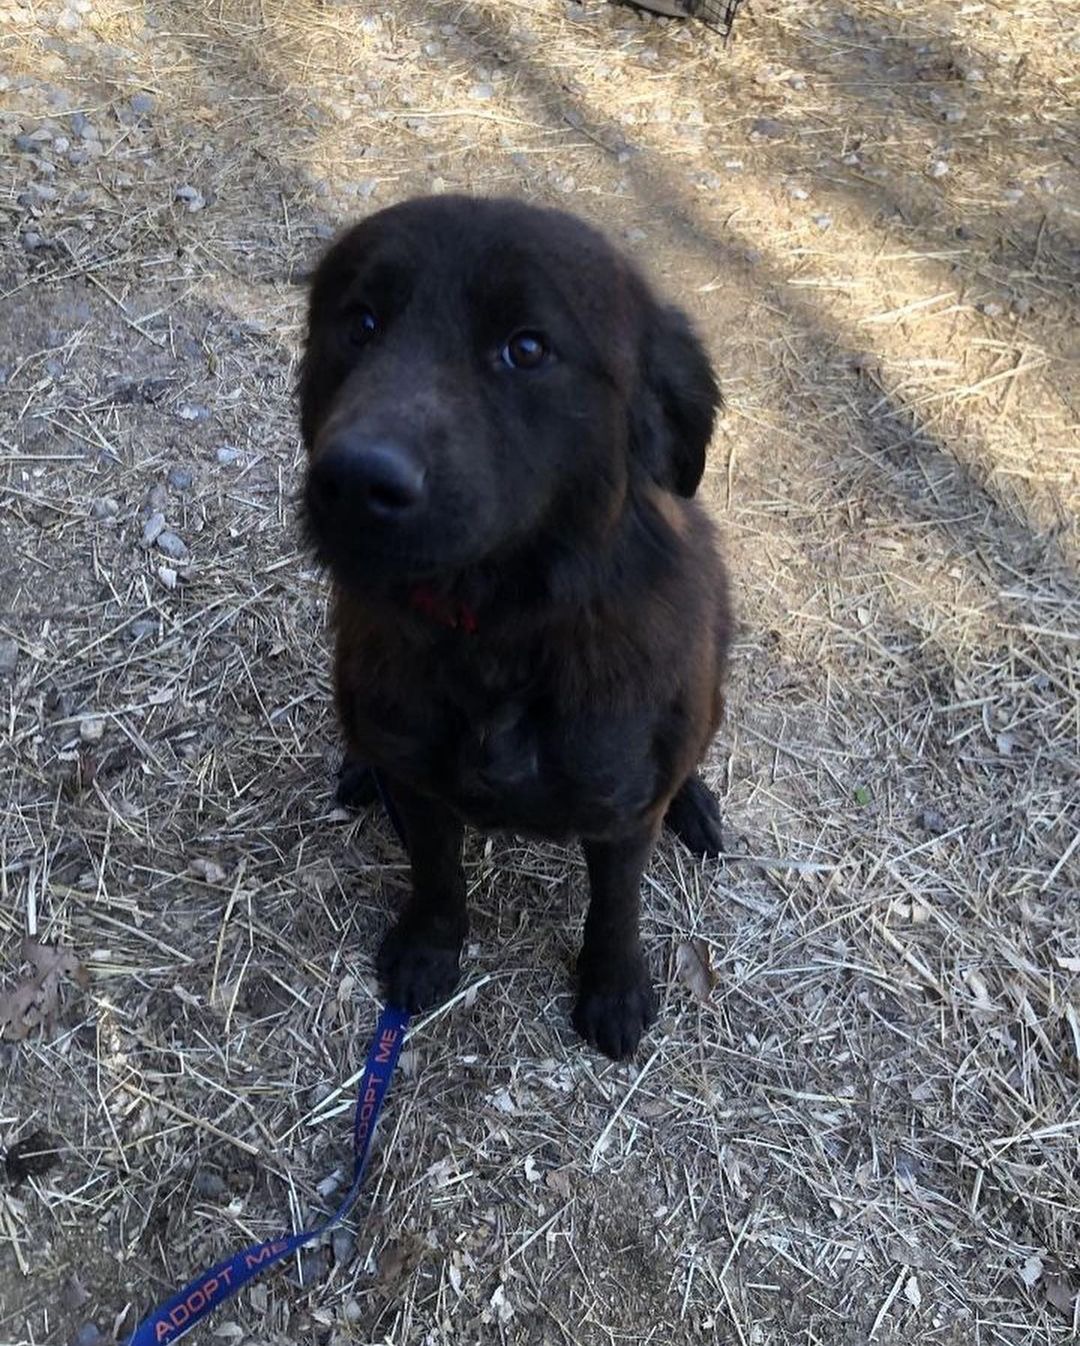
328 1186
823 222
312 1267
180 478
91 729
172 545
798 193
142 104
187 412
207 870
931 820
209 1185
73 1294
343 1244
144 627
227 455
991 308
61 144
104 507
153 528
81 125
1011 195
1021 306
88 1335
352 1311
482 92
954 114
32 240
938 168
769 128
191 197
9 656
78 158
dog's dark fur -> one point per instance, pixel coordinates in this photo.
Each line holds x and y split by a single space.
532 636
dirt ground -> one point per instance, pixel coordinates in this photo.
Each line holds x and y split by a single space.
869 1129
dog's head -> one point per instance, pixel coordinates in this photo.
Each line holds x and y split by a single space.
481 374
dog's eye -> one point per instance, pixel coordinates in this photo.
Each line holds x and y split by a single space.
525 350
362 326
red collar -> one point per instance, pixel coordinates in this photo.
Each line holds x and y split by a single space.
446 611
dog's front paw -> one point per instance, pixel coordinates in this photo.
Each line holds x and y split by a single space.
356 787
417 970
615 1005
694 816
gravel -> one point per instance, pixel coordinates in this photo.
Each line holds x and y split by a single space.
172 545
153 528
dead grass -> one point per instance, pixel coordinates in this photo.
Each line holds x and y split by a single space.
870 1131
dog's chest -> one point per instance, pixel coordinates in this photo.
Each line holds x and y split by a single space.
528 769
514 760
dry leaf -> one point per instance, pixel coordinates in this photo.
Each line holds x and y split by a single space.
399 1257
73 1294
559 1180
1031 1271
207 870
501 1101
501 1306
35 1000
1060 1293
693 966
1069 964
912 1293
977 987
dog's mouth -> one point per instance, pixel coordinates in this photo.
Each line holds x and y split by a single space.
364 558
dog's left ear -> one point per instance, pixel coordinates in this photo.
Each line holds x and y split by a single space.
676 403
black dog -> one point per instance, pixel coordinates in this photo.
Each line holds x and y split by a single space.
504 428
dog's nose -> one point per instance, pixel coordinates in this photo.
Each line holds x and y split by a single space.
382 479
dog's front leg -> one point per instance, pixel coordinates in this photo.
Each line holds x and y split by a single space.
616 1001
419 961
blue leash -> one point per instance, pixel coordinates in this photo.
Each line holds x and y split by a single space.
208 1291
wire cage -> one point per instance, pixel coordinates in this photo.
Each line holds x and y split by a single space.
716 14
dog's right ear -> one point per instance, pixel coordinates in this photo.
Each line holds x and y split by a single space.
311 382
675 407
321 370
